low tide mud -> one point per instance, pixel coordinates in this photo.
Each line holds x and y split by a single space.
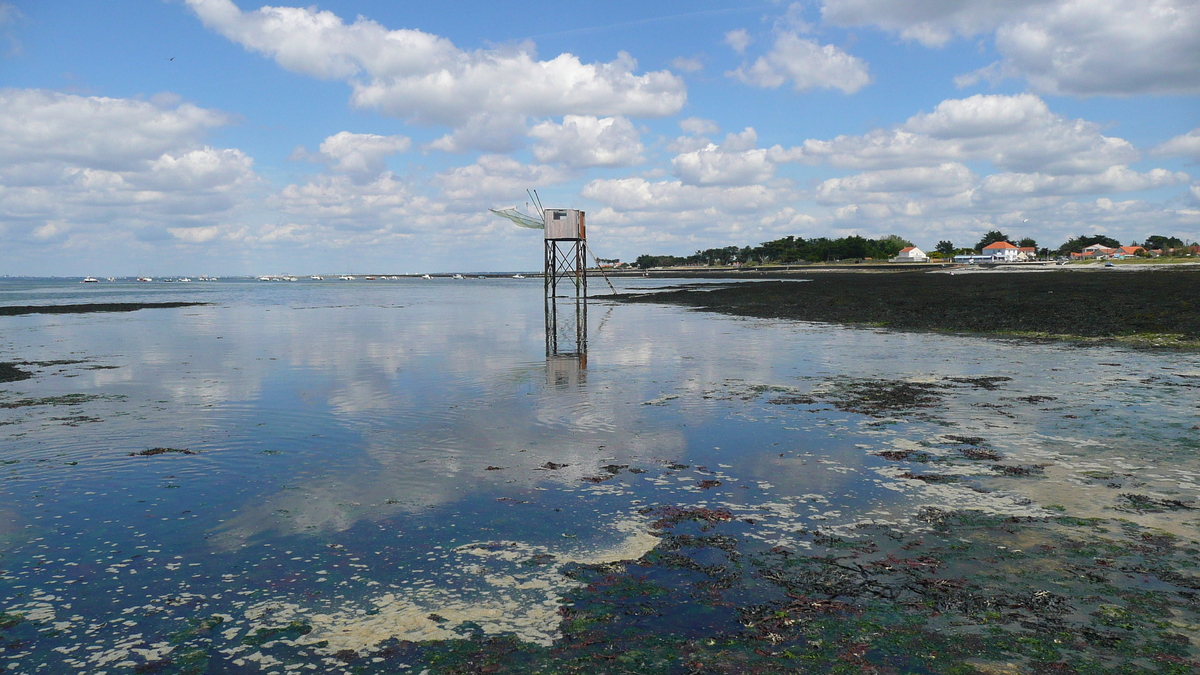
1152 307
17 310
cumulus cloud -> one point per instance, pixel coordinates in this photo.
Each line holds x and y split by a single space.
698 126
738 40
1184 145
807 64
495 178
1016 133
639 194
877 186
338 202
736 161
490 132
70 165
361 154
1081 47
425 78
584 141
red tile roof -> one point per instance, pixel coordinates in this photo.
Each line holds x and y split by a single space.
998 245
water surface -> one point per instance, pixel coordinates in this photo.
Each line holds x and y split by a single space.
403 458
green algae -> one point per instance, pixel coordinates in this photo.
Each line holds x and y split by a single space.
975 593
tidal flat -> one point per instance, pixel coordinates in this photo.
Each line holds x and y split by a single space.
1149 306
407 476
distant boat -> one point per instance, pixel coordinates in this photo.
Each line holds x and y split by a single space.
184 279
346 277
90 280
458 276
426 276
145 279
264 278
317 278
518 276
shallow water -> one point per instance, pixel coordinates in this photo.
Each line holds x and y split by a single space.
403 458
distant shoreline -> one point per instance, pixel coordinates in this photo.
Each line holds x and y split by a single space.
1157 307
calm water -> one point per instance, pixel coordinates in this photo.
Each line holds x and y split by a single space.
385 459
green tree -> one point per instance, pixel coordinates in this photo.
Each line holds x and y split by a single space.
1028 242
1081 242
946 248
991 237
1157 241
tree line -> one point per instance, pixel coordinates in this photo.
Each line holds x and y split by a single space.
786 250
823 249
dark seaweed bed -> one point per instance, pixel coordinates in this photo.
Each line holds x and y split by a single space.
16 310
1101 304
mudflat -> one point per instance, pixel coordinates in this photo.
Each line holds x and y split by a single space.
1151 307
16 310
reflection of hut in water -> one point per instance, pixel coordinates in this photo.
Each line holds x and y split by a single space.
566 371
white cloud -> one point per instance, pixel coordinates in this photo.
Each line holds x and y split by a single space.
638 194
738 40
361 154
734 162
585 141
485 131
426 78
1183 145
1014 133
496 178
1082 47
932 23
687 64
889 185
1113 179
807 64
339 202
698 126
88 168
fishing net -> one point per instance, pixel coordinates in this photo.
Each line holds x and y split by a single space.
520 219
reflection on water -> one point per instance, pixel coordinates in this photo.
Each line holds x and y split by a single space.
417 459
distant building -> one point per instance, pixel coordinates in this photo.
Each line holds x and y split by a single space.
1027 253
1003 250
911 254
975 258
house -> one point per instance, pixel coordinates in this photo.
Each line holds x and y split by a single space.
911 254
975 258
1002 251
1099 252
1127 251
1027 253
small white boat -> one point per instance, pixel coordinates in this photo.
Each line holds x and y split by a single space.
185 279
458 276
426 276
145 279
518 276
264 278
346 277
90 280
317 278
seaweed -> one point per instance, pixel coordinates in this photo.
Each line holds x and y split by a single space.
9 372
151 452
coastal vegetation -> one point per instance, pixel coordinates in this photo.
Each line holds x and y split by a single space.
792 249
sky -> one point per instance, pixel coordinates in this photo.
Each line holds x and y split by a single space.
221 137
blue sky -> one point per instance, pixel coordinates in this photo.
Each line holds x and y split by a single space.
224 137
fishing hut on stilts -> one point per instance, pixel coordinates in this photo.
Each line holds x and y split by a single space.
564 279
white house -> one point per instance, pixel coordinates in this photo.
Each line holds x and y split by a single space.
911 254
1002 251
